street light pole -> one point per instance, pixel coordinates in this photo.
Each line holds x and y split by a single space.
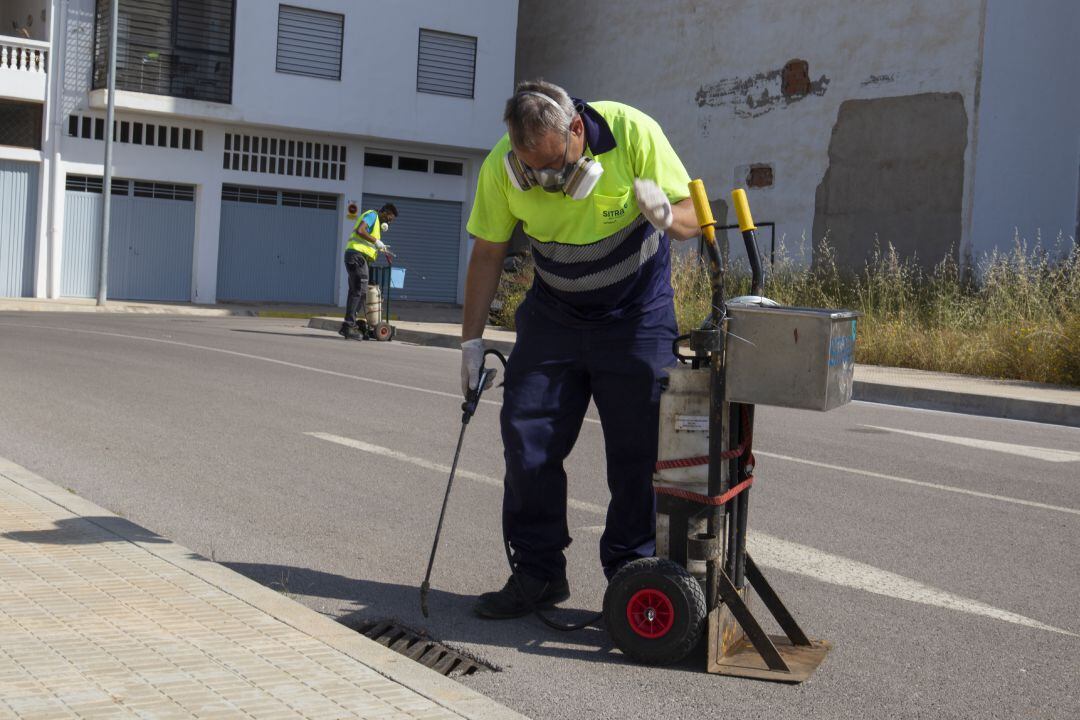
106 181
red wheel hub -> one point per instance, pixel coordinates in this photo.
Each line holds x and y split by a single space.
650 613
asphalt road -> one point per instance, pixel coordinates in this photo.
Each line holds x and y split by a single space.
944 568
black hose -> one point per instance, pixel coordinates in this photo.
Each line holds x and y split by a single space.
535 610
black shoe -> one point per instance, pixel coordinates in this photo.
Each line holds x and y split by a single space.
509 603
349 332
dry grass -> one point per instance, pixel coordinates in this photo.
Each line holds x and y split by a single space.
1017 316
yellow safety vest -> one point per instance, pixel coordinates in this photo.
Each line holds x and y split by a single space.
361 245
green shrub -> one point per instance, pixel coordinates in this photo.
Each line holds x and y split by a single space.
510 292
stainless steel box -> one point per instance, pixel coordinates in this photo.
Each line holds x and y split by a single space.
790 357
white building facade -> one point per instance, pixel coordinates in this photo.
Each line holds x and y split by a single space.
939 127
244 132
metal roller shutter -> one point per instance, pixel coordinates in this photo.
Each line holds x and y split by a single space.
446 63
277 246
425 239
151 239
18 219
309 42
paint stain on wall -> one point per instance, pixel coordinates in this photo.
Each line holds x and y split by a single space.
758 94
878 80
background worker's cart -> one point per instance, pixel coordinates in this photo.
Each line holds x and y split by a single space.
383 278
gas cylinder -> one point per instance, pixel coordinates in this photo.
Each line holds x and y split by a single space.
684 428
373 305
684 434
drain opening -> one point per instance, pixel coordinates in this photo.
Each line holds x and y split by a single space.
417 646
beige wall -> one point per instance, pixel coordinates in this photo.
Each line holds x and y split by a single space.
711 71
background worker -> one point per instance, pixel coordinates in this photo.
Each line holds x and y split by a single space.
365 242
598 322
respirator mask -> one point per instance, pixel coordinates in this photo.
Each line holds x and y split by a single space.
384 227
575 180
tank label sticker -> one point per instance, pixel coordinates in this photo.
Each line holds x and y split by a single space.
692 423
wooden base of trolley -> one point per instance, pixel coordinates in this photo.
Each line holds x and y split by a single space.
738 646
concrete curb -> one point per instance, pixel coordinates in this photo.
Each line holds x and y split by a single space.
417 337
968 403
876 392
418 678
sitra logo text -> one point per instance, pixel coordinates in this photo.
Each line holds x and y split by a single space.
608 214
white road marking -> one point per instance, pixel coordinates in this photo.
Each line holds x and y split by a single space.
835 570
920 483
437 467
771 552
1029 451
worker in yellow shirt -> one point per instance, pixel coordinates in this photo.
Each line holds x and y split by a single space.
364 246
600 193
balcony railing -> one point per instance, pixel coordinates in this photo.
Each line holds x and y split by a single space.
23 68
27 56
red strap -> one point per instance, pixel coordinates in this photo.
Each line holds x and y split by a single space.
706 499
739 451
700 459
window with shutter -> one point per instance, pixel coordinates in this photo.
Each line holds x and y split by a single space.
309 42
446 63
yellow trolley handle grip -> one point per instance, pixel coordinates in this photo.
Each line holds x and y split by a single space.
703 211
742 210
701 204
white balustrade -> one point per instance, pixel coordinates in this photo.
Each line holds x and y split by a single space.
23 56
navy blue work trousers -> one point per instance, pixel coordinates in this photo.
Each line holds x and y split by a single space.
553 372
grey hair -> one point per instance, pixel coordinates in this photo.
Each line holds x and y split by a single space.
529 117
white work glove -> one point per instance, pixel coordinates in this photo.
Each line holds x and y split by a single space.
653 203
472 359
380 245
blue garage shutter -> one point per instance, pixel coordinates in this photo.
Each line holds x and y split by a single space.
18 219
151 239
426 240
278 245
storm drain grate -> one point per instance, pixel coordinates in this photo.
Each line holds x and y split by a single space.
422 649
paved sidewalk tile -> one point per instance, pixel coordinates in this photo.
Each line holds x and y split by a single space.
93 625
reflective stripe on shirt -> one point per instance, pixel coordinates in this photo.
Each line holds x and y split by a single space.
609 275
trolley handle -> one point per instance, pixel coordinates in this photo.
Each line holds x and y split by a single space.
747 228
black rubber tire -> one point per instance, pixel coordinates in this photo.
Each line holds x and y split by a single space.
680 588
384 332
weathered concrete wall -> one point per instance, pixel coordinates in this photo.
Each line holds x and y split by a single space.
1027 161
895 177
751 90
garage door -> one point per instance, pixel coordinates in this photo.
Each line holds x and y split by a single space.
277 245
425 239
151 239
18 219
